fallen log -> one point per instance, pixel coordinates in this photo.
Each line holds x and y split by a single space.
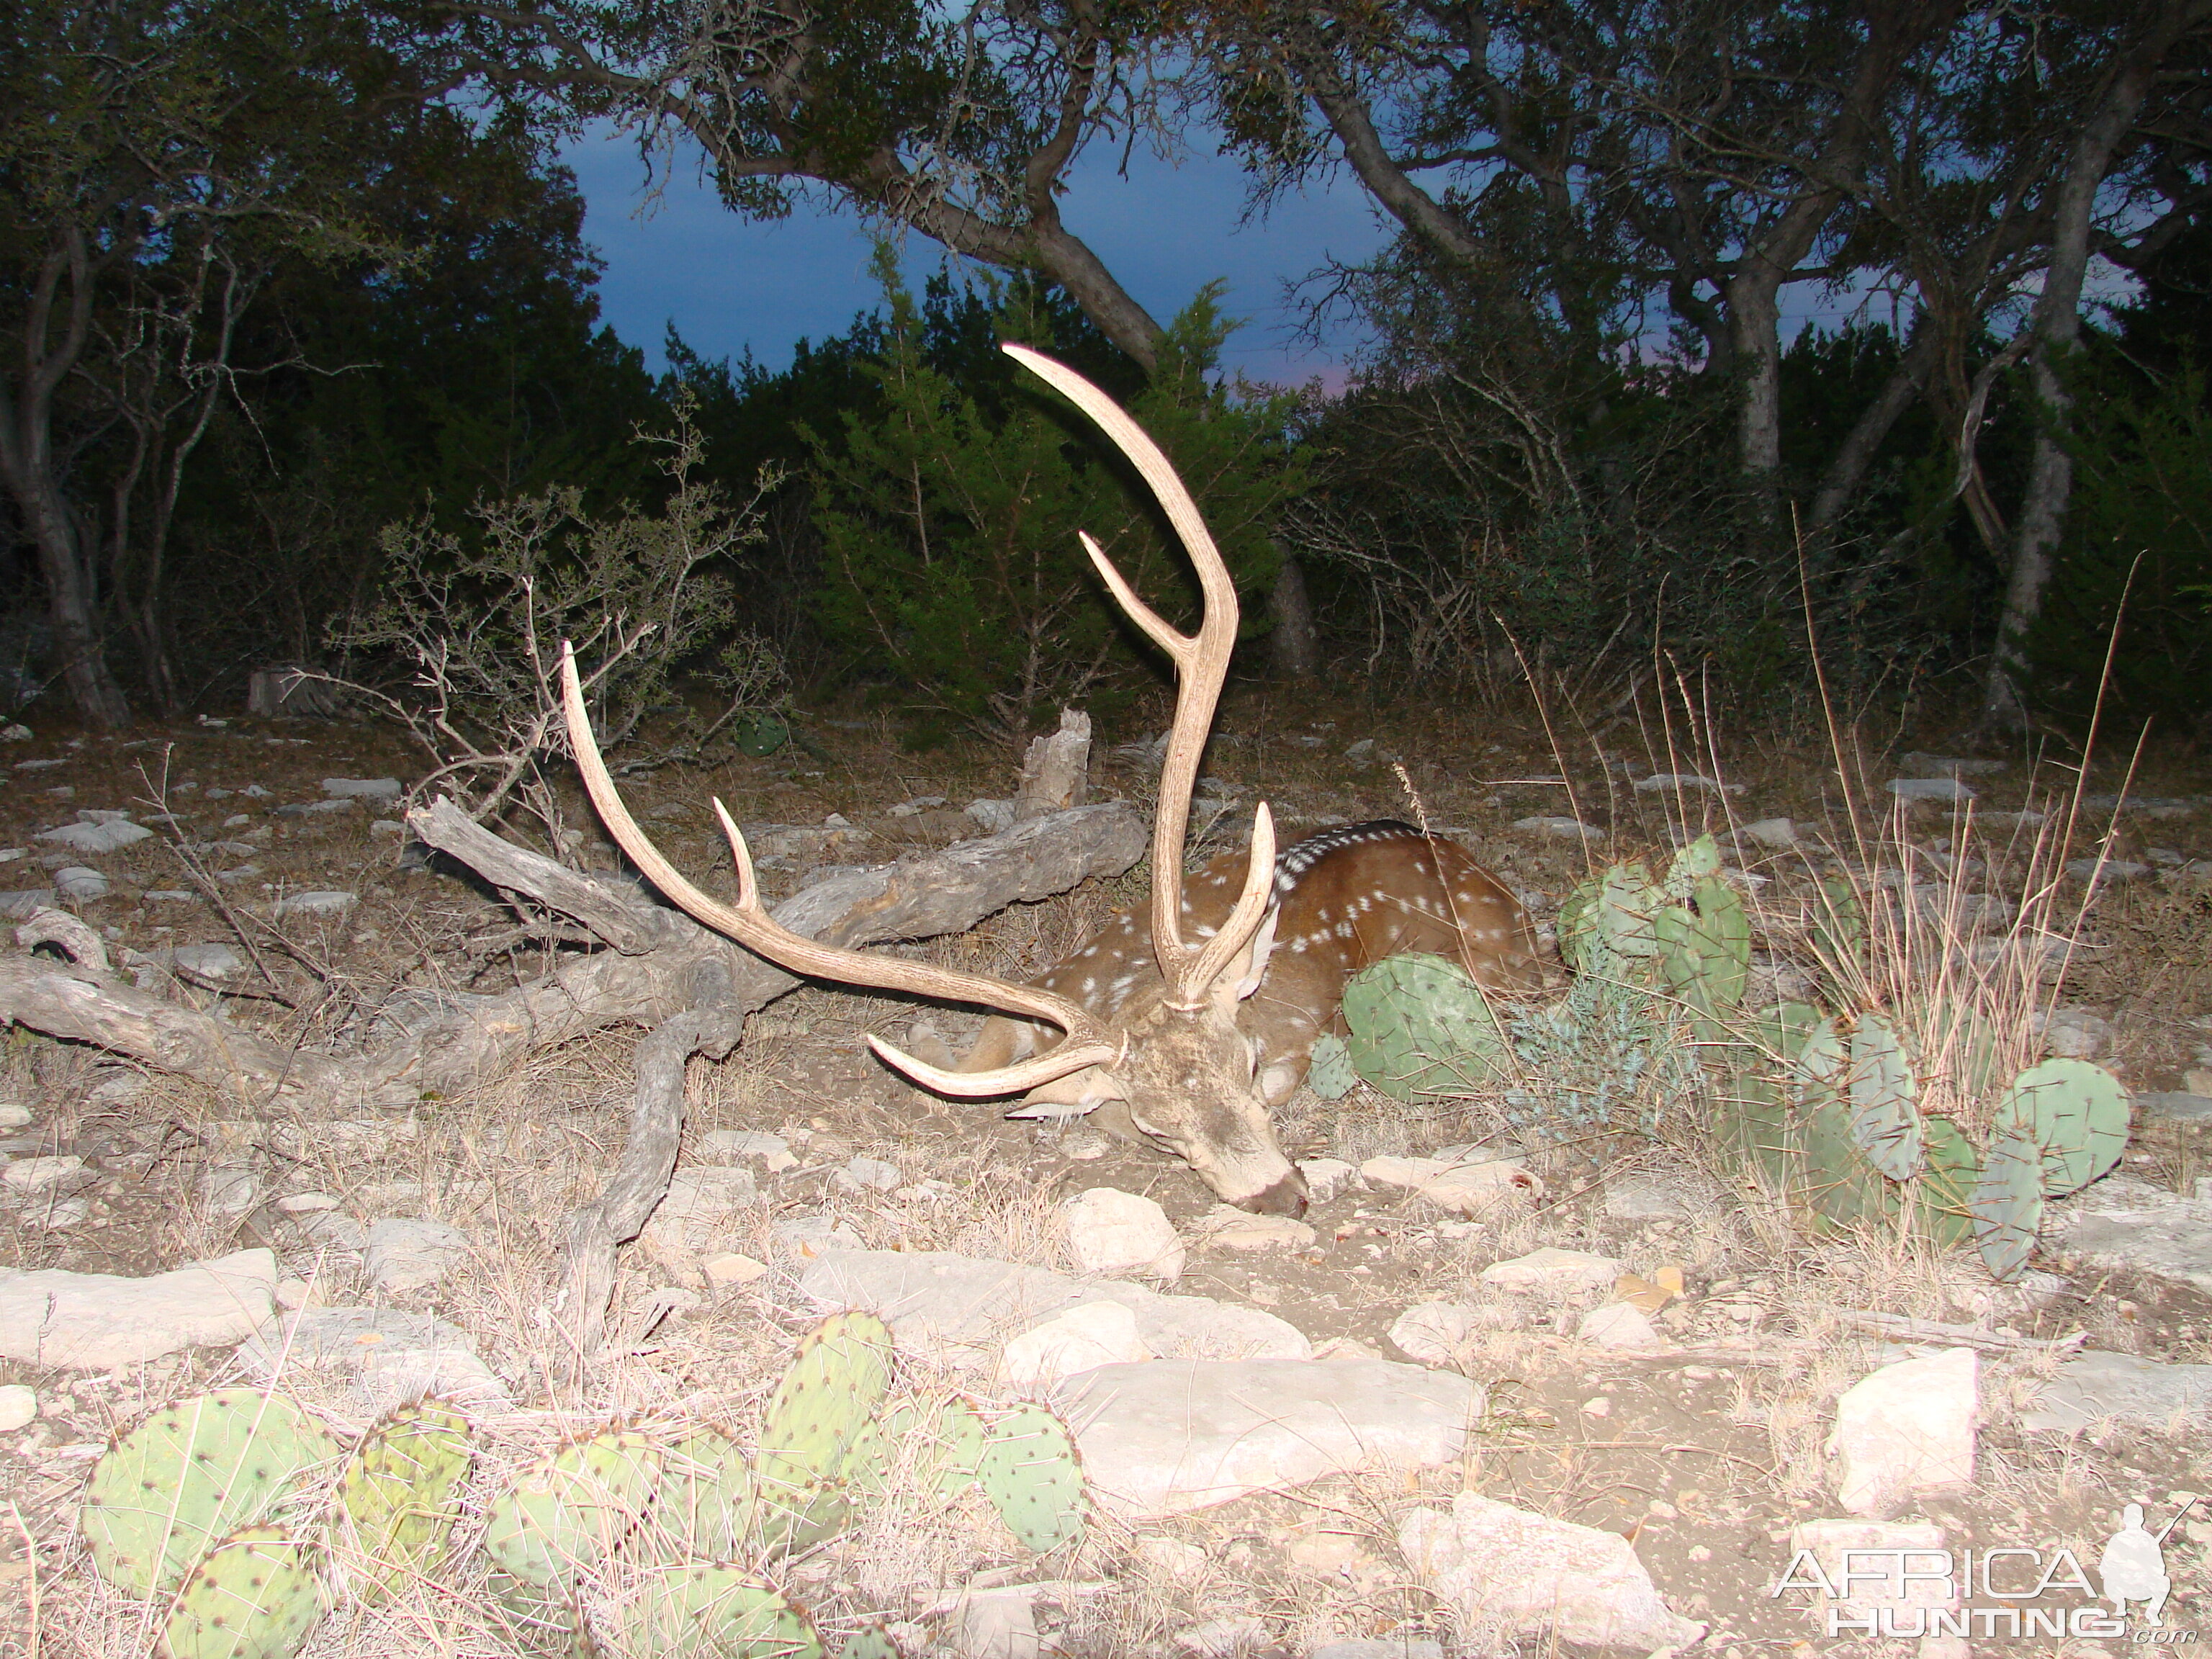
693 987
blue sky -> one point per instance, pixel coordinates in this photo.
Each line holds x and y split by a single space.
1164 231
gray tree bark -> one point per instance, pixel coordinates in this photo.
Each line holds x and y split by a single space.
2055 328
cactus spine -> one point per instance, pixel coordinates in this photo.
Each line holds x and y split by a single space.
193 1472
255 1595
399 1496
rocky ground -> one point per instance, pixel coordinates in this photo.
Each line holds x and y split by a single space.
1499 1391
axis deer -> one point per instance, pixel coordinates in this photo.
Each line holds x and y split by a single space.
1186 1024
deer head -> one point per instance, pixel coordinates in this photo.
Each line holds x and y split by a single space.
1172 1060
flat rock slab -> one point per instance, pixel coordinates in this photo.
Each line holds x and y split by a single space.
2123 1224
2092 1388
96 1321
1498 1565
1169 1435
959 1310
396 1358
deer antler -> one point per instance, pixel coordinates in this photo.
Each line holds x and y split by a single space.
1089 1041
1201 661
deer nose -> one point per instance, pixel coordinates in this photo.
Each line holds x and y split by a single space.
1286 1197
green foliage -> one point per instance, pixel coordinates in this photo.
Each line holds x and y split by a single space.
567 1514
1421 1026
1332 1074
2138 549
1885 1100
191 1472
708 1505
255 1595
400 1494
697 1611
948 522
1029 1470
817 1419
2075 1113
475 625
2008 1205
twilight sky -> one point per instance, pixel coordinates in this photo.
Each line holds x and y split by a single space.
729 284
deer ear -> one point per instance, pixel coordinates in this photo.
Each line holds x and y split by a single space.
1245 978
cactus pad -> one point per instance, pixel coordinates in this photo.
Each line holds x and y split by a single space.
193 1472
1606 925
1420 1026
706 1507
2075 1112
2008 1202
256 1595
1704 950
400 1495
696 1611
1885 1100
1948 1177
1331 1075
569 1512
1033 1477
871 1642
820 1413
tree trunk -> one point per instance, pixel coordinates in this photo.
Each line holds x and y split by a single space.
71 598
2054 328
1297 651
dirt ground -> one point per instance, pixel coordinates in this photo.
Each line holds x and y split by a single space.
1703 1456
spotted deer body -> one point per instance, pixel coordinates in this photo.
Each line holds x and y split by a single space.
1190 1049
1343 899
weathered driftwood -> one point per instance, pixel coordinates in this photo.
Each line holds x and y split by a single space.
659 963
692 987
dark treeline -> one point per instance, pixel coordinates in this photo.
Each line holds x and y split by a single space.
277 277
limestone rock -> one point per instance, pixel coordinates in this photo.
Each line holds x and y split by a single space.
1444 1333
113 834
959 1310
1908 1428
1225 1227
2092 1388
1911 789
1169 1435
1496 1564
2121 1223
1326 1176
316 903
1658 1195
19 1405
80 882
96 1321
1620 1325
378 789
1111 1231
407 1252
1469 1188
394 1356
1555 1272
1090 1335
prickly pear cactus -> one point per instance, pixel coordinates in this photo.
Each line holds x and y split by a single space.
1834 1178
1033 1477
568 1513
399 1496
820 1412
1838 926
1885 1100
870 1643
1331 1075
2008 1208
194 1471
697 1611
1421 1026
1952 1171
707 1506
1704 950
2076 1113
1694 861
256 1595
1606 926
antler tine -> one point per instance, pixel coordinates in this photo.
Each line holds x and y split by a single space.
1201 661
1088 1042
